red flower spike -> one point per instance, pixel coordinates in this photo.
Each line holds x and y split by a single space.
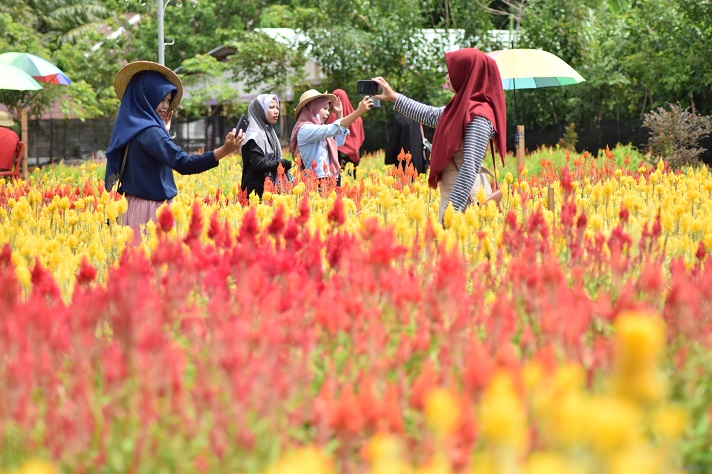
303 210
166 221
701 251
336 215
195 228
87 273
276 226
624 214
392 415
426 381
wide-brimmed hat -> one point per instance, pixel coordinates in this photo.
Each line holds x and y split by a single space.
6 119
308 96
123 77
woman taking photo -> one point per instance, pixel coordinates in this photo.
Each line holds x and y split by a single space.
475 115
261 152
315 141
350 151
141 154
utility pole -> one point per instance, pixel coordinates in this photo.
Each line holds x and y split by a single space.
161 6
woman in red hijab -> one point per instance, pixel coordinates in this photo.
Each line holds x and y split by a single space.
463 128
350 151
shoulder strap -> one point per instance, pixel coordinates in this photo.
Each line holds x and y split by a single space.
123 162
494 165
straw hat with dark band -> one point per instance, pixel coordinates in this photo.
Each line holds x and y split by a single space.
123 77
308 96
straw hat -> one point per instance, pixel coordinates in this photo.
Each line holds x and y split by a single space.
123 77
308 96
6 119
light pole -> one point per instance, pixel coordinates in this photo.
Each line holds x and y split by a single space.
161 9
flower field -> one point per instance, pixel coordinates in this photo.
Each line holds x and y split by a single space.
329 330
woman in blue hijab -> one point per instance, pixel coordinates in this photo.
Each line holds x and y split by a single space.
141 154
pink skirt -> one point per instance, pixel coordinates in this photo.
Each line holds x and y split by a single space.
139 213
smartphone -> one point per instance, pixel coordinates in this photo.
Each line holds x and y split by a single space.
242 124
367 87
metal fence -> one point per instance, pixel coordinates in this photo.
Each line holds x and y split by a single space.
52 140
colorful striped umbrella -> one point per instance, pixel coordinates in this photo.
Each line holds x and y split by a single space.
532 69
37 67
14 78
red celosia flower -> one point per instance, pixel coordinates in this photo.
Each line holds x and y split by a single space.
368 403
624 214
426 381
86 273
165 219
303 210
392 410
336 215
346 417
277 224
566 181
479 367
196 224
701 251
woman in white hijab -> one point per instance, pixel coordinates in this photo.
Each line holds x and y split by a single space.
261 152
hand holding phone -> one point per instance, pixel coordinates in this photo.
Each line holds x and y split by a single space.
242 124
367 87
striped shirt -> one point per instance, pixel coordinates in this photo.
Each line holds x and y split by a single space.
478 133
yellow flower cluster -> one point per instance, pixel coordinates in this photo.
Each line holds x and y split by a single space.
61 231
58 233
554 424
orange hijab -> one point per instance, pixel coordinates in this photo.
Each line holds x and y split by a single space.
355 138
475 77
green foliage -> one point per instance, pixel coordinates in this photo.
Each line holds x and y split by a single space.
209 92
635 54
265 65
570 138
675 134
557 156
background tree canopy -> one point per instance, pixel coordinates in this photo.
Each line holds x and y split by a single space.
635 54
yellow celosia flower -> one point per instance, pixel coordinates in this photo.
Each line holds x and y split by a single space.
441 411
304 460
669 421
385 456
613 424
640 339
637 460
299 188
502 415
549 463
23 276
37 466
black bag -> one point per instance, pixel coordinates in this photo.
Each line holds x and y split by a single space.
427 148
115 178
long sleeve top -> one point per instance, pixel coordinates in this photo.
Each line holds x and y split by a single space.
312 145
477 134
256 166
152 157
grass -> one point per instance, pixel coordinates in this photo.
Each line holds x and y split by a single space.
532 161
62 172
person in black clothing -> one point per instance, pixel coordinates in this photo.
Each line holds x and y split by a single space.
407 135
261 152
